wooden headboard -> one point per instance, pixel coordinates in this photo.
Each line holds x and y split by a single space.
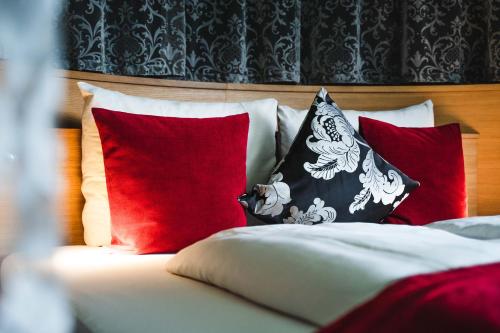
475 107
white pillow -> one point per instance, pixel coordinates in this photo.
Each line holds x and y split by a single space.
290 120
261 148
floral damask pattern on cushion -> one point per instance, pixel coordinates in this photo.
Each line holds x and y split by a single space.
333 140
274 196
314 41
329 175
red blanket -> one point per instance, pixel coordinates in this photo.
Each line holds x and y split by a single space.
460 300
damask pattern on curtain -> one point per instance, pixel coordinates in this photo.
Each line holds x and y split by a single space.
313 41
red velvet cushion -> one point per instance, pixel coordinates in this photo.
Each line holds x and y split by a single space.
172 181
434 157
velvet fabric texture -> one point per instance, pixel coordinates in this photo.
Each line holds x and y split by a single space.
172 181
434 157
457 301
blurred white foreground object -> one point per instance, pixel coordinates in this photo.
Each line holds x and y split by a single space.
31 300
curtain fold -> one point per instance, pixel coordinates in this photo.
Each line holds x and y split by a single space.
125 37
308 42
493 40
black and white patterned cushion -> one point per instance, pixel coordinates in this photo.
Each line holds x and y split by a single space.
329 175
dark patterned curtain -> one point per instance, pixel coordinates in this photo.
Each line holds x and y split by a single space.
313 41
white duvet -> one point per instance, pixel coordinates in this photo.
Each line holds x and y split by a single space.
318 273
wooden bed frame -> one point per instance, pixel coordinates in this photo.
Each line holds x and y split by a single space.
475 107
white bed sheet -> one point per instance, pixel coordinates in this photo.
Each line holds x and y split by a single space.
117 291
322 272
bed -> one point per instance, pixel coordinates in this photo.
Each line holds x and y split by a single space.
114 290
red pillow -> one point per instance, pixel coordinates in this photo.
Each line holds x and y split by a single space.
434 157
172 181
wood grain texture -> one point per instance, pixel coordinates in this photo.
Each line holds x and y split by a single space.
70 199
469 144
